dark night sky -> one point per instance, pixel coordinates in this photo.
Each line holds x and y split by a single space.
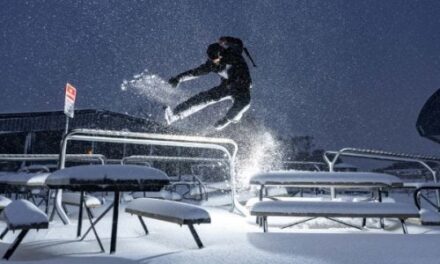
350 73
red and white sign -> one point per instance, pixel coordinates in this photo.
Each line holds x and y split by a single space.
69 100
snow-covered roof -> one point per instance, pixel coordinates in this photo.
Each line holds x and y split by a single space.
322 178
105 173
84 118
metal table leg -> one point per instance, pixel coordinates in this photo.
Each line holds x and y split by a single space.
115 222
89 215
80 213
97 220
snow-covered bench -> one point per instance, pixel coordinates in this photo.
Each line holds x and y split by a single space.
169 211
22 215
28 185
4 202
400 211
70 198
427 215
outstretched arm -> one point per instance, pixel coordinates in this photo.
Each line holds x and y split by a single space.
192 74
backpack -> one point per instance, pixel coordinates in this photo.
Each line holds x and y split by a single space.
236 45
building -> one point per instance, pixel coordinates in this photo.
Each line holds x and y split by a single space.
41 132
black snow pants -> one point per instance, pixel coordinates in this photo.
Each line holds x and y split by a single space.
239 93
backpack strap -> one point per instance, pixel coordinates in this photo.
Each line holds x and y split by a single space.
249 56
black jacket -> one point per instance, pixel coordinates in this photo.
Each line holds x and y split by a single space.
232 68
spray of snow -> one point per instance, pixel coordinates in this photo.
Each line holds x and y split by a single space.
263 154
152 87
156 93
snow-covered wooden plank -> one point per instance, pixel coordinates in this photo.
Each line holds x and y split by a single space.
321 178
74 199
425 185
176 212
429 217
22 214
334 209
104 174
4 202
24 179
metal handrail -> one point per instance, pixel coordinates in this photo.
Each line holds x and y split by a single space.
50 157
107 136
147 158
384 155
166 137
313 163
169 158
392 154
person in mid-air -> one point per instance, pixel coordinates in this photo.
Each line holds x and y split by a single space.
224 58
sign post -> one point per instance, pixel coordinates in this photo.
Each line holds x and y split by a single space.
69 109
69 103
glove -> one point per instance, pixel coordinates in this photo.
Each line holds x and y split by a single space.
173 81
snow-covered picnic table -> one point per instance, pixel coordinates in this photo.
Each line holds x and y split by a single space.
326 179
112 178
312 179
26 179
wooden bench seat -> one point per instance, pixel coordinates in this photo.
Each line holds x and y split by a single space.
70 198
334 209
169 211
4 202
22 215
429 217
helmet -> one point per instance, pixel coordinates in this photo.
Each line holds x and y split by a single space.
214 51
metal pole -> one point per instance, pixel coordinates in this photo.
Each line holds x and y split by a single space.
114 233
67 126
82 204
59 194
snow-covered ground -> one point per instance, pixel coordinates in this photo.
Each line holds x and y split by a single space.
231 238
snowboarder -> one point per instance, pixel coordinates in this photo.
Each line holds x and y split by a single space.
224 58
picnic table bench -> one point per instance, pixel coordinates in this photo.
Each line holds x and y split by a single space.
4 201
170 211
427 215
307 179
90 201
22 215
330 209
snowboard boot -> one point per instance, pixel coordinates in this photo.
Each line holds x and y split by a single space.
170 117
222 123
